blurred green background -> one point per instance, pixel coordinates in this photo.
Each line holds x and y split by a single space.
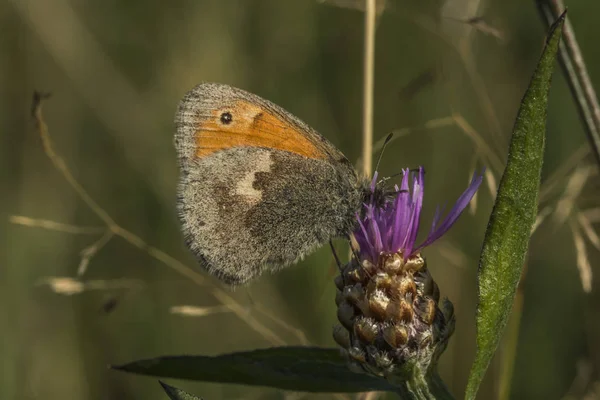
117 70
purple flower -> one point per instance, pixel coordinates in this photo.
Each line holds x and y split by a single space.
392 227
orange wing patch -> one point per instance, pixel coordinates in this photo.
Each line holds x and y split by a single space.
247 124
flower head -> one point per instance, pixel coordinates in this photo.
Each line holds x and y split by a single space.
392 227
392 323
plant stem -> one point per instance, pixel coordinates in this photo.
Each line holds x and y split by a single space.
423 387
511 343
369 73
575 70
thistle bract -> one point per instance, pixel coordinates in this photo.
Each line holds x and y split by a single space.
388 304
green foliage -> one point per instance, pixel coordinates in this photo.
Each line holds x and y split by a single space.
307 369
177 394
514 213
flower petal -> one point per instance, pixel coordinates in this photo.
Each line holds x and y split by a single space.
393 226
418 192
401 213
459 206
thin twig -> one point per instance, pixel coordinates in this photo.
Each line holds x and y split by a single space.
55 226
369 77
557 179
368 88
269 314
464 54
222 296
575 71
68 39
487 106
195 311
69 286
479 142
456 119
398 133
572 190
583 262
90 251
60 164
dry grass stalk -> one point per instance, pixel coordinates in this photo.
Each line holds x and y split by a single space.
118 231
55 226
195 311
574 187
583 262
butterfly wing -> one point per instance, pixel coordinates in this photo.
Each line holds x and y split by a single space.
259 189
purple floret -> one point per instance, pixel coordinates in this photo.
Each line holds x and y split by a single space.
393 226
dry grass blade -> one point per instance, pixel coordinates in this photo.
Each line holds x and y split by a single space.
592 215
369 396
68 39
480 144
195 311
492 184
470 65
473 203
55 226
583 262
295 331
575 185
555 181
135 240
540 218
112 284
585 373
464 52
484 151
368 87
68 286
90 251
359 5
60 164
398 133
589 231
576 73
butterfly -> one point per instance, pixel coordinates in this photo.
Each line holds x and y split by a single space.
259 189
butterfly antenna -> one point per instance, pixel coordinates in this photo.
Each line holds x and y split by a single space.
385 143
387 178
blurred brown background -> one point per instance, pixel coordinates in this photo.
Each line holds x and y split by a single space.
117 69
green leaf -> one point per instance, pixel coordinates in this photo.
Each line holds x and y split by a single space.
177 394
304 369
515 210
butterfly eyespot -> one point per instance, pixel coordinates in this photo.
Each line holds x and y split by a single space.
226 118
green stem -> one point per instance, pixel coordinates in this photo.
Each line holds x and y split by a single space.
423 387
510 347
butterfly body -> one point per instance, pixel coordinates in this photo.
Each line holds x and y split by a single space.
259 189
